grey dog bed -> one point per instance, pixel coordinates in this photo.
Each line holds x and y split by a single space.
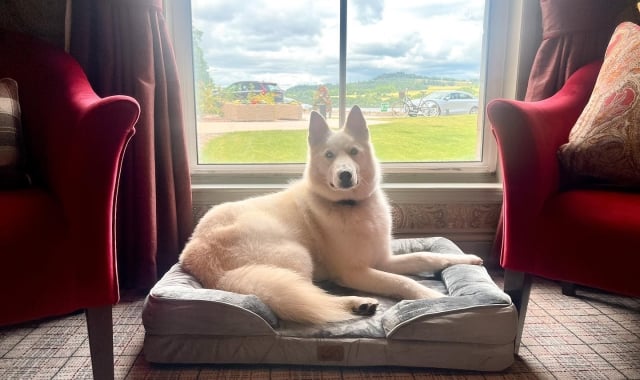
472 329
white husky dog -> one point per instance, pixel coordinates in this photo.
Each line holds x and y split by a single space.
334 224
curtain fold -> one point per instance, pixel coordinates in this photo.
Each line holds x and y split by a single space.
124 48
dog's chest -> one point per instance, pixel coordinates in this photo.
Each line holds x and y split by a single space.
348 217
350 235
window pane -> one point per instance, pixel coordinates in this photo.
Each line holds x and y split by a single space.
260 70
414 65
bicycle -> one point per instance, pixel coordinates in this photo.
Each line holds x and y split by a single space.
408 106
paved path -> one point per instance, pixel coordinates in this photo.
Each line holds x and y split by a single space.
223 126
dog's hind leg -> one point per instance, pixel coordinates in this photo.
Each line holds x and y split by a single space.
293 297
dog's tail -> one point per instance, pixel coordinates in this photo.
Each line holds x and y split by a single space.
289 295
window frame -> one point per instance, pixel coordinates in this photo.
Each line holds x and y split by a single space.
403 182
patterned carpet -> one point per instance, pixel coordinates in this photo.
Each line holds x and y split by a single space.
593 336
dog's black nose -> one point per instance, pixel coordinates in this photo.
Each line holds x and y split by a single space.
346 179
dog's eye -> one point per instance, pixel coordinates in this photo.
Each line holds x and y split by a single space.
354 151
329 154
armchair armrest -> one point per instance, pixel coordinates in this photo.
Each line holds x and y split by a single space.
88 177
529 134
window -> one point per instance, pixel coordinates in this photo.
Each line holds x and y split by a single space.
270 73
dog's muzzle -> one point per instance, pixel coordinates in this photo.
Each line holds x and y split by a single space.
344 175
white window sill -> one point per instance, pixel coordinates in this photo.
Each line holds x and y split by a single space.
415 193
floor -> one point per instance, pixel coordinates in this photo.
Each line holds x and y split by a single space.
593 336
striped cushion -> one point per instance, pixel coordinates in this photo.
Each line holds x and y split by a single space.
12 173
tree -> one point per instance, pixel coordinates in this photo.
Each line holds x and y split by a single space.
205 88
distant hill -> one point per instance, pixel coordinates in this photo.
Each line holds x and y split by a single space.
384 88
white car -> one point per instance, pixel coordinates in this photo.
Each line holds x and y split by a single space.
448 103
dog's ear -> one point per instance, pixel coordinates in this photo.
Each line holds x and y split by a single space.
318 129
356 125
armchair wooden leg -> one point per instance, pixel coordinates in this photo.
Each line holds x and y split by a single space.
518 286
568 289
100 328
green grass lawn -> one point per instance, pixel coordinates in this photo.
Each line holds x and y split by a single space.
415 139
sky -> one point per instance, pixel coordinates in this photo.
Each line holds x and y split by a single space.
297 42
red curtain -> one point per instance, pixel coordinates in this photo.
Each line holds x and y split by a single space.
574 33
124 48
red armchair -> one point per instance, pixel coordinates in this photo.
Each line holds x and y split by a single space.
575 235
57 241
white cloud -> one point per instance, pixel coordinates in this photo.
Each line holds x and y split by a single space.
298 42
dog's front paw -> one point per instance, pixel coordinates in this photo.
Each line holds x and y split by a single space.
366 306
464 259
473 259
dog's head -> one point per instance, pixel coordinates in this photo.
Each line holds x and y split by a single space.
342 164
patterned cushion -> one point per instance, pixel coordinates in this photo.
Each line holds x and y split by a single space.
12 173
604 144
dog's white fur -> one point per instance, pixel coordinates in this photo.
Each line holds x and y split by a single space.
335 224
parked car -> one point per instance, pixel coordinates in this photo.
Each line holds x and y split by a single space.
245 89
449 103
